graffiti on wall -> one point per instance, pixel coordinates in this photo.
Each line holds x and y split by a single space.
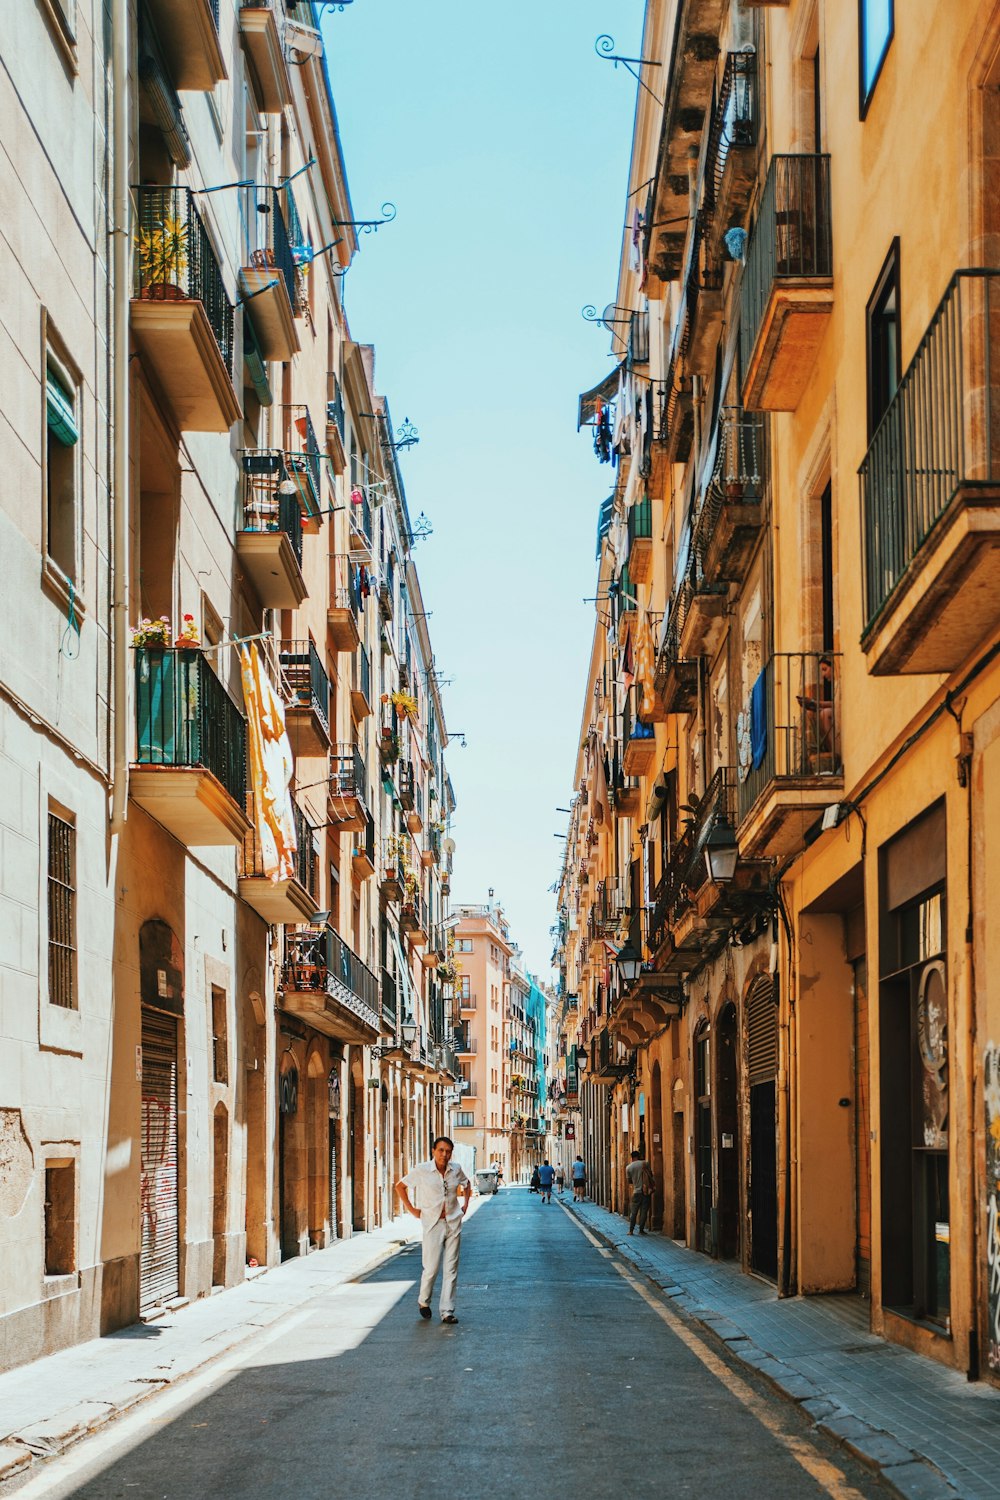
991 1096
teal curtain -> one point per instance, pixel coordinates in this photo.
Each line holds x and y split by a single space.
60 411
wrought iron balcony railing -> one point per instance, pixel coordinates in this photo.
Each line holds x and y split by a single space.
323 961
175 262
306 860
735 120
265 508
790 727
302 455
686 870
405 784
348 777
940 433
390 1005
640 520
185 717
265 236
305 678
791 240
335 411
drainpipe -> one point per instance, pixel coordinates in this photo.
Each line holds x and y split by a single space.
120 378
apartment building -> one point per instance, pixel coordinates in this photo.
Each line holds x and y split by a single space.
483 949
222 1014
528 1077
780 864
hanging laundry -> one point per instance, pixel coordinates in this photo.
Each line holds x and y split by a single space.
271 764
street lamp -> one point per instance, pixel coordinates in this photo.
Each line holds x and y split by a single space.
628 962
722 852
409 1031
581 1059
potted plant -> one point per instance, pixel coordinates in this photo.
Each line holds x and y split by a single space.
163 259
151 634
188 639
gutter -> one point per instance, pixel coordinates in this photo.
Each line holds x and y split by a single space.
120 377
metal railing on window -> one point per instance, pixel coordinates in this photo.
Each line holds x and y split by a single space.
348 777
265 508
175 262
791 240
265 237
185 717
305 679
302 455
686 870
361 515
640 520
940 433
306 863
323 961
390 1006
335 411
62 912
638 338
790 723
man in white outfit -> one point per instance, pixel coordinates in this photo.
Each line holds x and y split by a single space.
436 1186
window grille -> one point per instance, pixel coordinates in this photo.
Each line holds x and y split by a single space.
62 912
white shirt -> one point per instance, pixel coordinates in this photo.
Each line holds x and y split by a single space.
430 1191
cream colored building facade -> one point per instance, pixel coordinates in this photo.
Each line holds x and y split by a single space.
205 1067
794 663
484 949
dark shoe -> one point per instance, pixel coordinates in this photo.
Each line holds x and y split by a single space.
449 1318
423 1310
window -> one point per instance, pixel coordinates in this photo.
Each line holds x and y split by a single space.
463 945
465 1118
62 18
60 1217
875 29
62 911
466 987
220 1049
62 469
882 316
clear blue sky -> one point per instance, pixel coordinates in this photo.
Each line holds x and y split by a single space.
504 142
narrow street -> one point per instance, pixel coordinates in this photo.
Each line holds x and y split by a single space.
356 1395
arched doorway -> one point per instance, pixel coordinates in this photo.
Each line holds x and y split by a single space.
656 1146
356 1146
703 1165
678 1175
333 1147
317 1145
291 1151
256 1218
220 1193
727 1133
762 1073
641 1122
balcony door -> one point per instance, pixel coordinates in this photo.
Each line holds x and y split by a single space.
704 1194
762 1057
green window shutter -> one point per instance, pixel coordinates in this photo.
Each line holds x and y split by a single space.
60 411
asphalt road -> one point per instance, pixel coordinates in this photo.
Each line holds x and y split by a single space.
567 1375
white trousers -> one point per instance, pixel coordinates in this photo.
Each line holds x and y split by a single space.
444 1238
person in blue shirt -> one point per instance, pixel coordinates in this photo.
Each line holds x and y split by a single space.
546 1177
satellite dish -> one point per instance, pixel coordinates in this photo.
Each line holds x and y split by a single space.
448 846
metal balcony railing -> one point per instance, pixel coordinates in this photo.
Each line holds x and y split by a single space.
265 508
175 262
405 784
306 861
265 237
364 840
940 433
185 717
633 727
466 1002
738 477
335 410
348 777
640 520
390 1005
323 961
361 516
735 120
686 870
611 902
792 723
362 674
305 679
791 240
302 455
638 339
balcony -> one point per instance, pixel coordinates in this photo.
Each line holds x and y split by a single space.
326 985
610 1060
467 1002
292 898
729 519
345 606
638 739
393 871
361 685
363 850
787 290
700 606
430 854
189 771
790 767
261 34
307 695
415 816
348 794
640 540
623 602
609 910
181 317
413 915
336 438
267 272
930 493
465 1045
732 155
702 306
188 33
390 1003
304 464
405 785
360 516
269 541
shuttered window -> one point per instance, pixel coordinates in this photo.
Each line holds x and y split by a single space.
158 1279
62 912
762 1031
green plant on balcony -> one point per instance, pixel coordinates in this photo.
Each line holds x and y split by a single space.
163 257
152 632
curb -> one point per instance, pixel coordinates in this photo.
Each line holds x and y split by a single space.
51 1437
907 1474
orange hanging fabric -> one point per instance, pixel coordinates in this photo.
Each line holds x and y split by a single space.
271 766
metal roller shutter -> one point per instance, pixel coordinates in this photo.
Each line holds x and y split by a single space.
762 1032
158 1275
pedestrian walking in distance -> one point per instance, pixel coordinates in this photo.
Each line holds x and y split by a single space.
579 1180
536 1181
560 1181
437 1192
546 1176
640 1179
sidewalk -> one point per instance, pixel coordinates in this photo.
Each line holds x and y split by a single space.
54 1402
897 1411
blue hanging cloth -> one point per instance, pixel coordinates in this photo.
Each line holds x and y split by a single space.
758 720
